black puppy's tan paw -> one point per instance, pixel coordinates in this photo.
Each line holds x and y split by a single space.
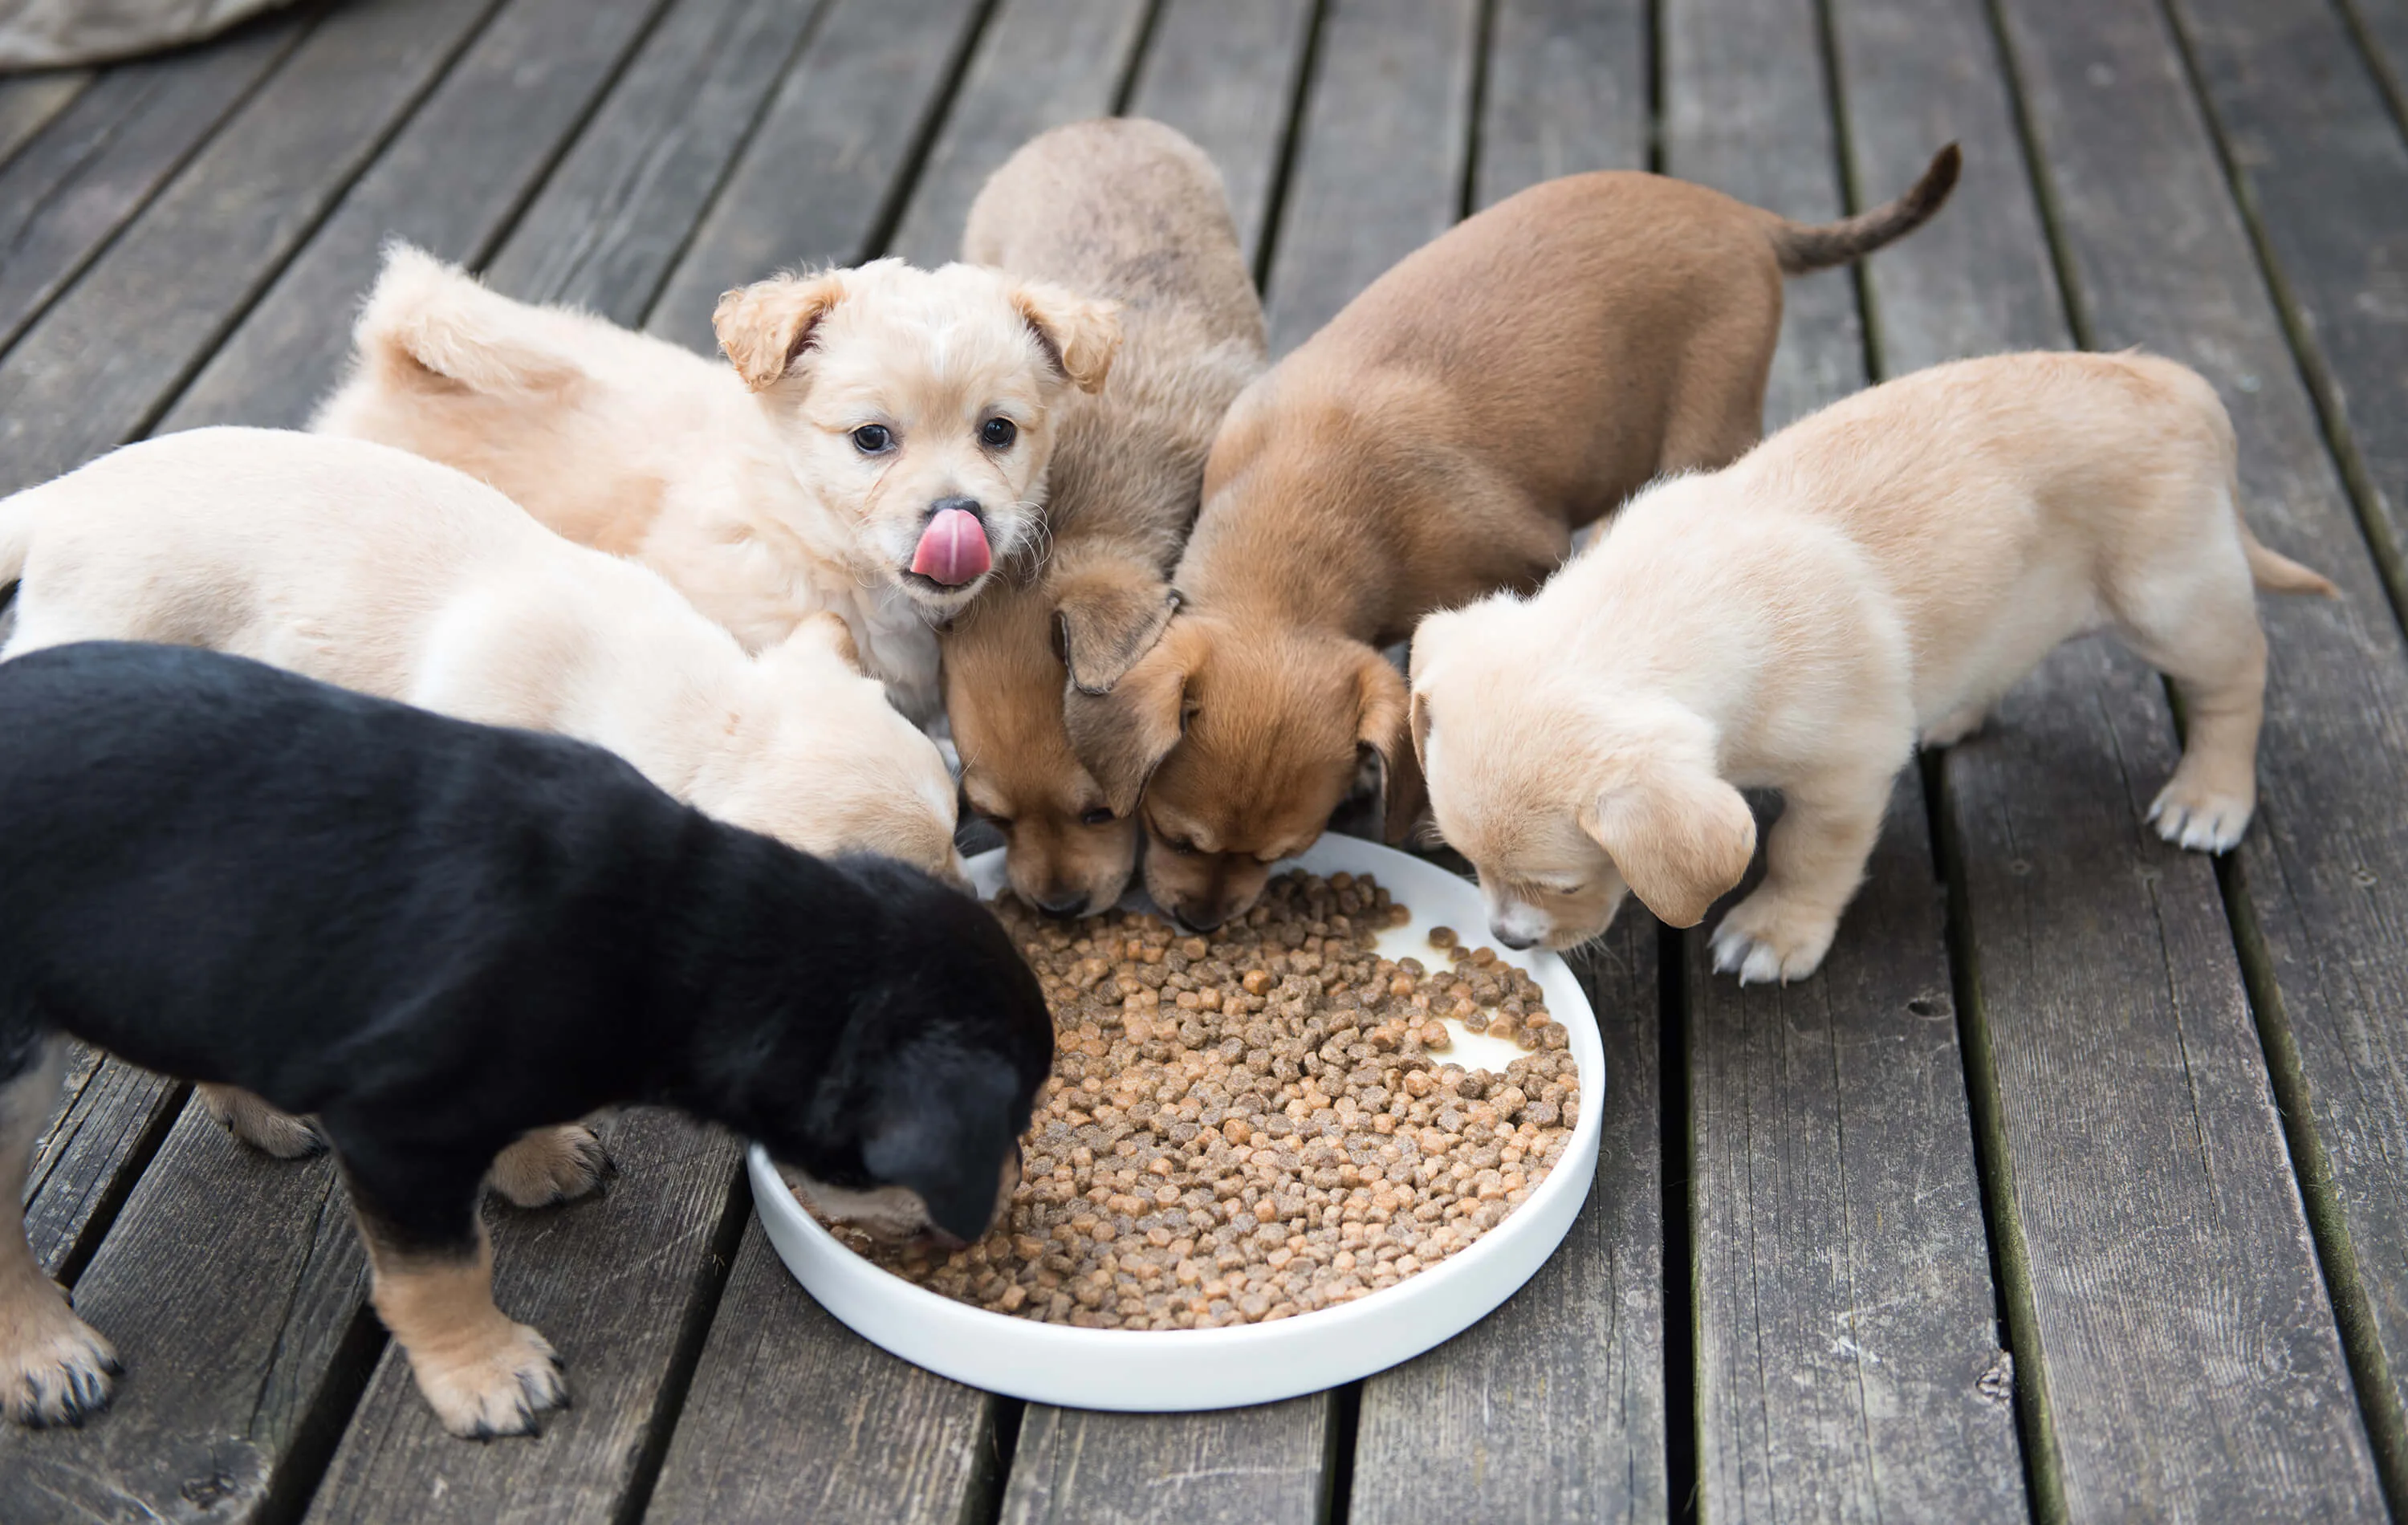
54 1368
495 1386
259 1125
551 1165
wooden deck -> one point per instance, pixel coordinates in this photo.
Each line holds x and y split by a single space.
2076 1186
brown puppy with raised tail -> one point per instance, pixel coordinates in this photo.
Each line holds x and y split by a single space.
1442 437
1130 210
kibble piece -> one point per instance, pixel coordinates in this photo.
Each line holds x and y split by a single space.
1441 937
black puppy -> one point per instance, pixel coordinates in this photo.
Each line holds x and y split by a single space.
435 936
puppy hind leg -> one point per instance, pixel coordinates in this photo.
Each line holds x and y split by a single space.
1814 859
551 1165
432 1283
259 1125
2215 654
54 1368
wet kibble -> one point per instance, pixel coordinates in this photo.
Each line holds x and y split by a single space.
1257 1124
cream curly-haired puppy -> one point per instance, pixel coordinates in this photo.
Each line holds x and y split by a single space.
875 444
366 567
1880 572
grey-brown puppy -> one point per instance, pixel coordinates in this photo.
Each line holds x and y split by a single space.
1129 210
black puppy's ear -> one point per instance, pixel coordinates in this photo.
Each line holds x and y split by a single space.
943 1130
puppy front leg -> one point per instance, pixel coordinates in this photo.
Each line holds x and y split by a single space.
1814 862
54 1369
433 1285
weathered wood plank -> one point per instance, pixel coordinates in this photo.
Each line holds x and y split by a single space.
2159 257
1566 91
791 1416
616 214
622 1288
1225 72
107 153
108 1122
1848 1356
101 363
1038 64
1380 155
2322 172
2381 27
450 182
1241 1466
29 102
233 1286
1745 111
1551 1408
820 177
1848 1361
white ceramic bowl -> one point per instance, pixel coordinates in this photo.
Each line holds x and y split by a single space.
1168 1371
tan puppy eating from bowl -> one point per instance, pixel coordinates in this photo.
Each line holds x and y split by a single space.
879 444
1878 574
1127 210
381 571
1440 438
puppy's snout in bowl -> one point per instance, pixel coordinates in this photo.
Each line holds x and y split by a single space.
1516 941
952 550
1064 903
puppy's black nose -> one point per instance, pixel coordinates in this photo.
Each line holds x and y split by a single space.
970 506
1516 943
1195 922
1065 904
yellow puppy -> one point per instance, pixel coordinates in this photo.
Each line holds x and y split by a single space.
1883 570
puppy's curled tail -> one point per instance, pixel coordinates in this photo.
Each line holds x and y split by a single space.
1801 247
431 324
2278 573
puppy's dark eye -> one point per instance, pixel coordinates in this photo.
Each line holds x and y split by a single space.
1098 817
998 433
1180 846
872 438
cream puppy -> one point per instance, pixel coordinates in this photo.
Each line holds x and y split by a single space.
879 444
1880 572
1128 210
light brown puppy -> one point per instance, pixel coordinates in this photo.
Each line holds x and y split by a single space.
879 442
1882 571
1442 437
1127 210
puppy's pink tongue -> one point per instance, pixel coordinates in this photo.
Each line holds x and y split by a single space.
953 549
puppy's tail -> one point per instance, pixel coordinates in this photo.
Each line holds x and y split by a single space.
1801 247
2278 573
432 324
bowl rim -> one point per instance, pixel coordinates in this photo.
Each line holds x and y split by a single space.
830 1265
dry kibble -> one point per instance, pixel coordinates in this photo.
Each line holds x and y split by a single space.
1249 1126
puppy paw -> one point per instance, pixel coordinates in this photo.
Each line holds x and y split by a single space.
260 1126
551 1165
1764 939
494 1387
2203 819
54 1368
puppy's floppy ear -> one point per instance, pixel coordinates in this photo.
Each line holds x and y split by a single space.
1681 836
1107 617
1078 334
1122 736
1384 727
822 630
765 326
1417 720
942 1129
